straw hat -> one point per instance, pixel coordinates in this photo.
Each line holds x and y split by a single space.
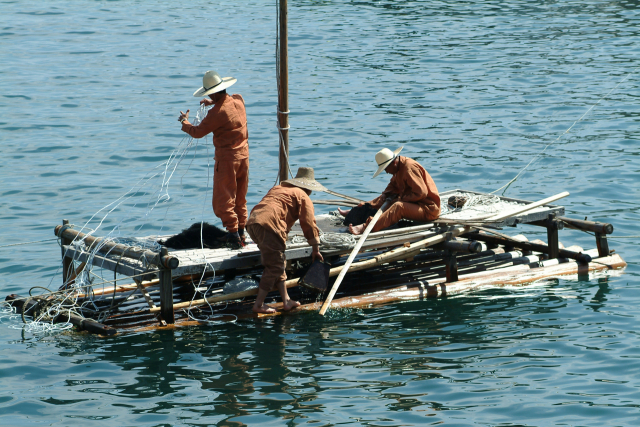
212 83
384 157
305 179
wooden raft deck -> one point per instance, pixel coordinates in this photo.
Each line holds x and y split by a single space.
168 288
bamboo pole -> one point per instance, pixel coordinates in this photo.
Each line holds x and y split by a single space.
347 203
352 255
516 275
353 199
528 207
562 253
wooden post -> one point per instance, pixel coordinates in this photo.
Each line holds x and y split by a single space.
166 290
603 244
67 263
283 93
451 264
552 236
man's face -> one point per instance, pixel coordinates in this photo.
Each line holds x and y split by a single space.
393 167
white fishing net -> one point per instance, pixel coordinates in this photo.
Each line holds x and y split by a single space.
331 240
142 207
478 205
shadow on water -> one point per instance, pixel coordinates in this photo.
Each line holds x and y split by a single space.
417 359
289 364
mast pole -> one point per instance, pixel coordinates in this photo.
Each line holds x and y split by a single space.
283 93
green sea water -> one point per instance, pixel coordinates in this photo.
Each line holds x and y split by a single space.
90 93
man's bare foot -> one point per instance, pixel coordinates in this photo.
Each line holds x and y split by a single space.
343 212
263 309
358 229
290 304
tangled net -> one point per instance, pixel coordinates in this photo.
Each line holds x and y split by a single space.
342 241
84 294
463 205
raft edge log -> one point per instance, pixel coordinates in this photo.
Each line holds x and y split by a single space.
116 248
594 226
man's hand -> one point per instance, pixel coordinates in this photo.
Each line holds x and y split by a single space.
206 101
315 253
183 116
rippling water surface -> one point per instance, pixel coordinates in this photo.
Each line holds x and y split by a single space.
89 97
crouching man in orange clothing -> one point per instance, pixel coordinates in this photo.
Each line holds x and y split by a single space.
269 225
227 120
415 193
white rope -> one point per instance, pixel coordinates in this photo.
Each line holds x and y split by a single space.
66 301
28 243
539 155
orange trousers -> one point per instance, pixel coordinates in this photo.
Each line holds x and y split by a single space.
272 249
230 185
406 210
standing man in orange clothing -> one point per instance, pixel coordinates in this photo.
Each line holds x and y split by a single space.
415 193
227 120
269 225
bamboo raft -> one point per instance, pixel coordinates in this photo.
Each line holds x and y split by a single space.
453 255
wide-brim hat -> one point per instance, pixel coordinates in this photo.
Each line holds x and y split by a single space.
384 157
305 179
212 83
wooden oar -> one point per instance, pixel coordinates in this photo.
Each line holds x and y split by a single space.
353 254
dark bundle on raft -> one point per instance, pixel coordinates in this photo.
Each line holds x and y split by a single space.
192 238
359 214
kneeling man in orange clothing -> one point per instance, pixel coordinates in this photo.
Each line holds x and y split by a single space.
269 225
415 193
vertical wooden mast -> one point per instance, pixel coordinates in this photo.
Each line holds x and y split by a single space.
283 92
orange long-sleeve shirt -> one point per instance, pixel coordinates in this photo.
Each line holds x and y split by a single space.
227 120
411 183
281 207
